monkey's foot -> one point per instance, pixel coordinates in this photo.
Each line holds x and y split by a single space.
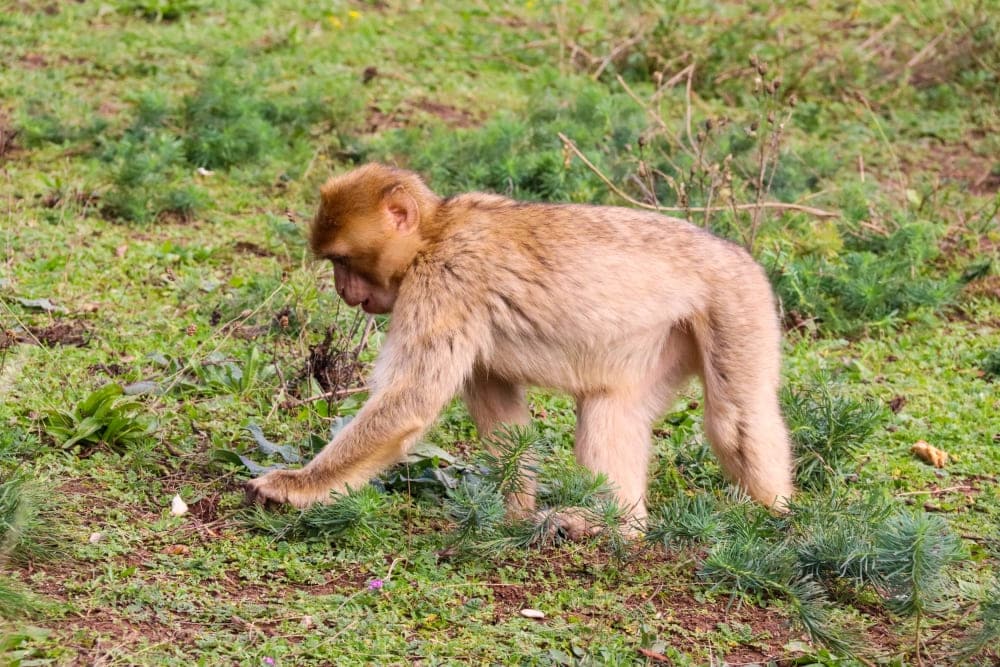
577 524
286 486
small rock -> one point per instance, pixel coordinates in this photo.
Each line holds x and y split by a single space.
178 507
205 172
306 621
95 538
533 613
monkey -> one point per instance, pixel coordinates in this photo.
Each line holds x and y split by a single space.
488 296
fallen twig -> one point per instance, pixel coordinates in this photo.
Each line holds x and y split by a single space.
338 393
810 210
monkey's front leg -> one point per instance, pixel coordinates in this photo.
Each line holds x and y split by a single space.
375 439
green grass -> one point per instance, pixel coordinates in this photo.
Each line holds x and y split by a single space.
159 160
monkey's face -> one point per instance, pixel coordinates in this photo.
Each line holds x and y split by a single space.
370 243
358 290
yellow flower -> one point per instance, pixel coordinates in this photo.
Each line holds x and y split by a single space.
335 22
354 14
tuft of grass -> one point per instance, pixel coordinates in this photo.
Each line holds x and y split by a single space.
828 429
28 529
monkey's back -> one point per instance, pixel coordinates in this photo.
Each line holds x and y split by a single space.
579 296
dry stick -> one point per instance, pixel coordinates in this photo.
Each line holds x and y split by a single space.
338 393
656 118
631 41
817 212
878 34
687 110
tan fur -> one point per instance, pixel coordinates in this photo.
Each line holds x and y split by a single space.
615 306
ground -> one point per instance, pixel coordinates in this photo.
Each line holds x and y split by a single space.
160 160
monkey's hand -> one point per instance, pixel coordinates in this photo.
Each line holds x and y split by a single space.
295 487
574 524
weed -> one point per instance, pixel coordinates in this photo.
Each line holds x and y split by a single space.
104 417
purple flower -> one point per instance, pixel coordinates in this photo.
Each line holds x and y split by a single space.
375 585
268 660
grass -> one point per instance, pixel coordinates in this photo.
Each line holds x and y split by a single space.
159 160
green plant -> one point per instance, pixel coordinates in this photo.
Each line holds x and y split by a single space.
991 365
223 374
105 417
828 429
914 551
158 10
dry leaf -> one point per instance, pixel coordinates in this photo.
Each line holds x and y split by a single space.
929 453
176 549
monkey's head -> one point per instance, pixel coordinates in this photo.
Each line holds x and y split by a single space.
371 224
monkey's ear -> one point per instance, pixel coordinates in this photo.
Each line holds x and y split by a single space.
403 210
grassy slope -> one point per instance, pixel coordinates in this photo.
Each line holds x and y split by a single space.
155 588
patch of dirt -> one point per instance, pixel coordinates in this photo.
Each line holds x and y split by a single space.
449 114
987 287
378 120
111 370
34 61
959 163
56 198
250 248
60 332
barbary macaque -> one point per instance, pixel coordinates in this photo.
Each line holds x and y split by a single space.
488 295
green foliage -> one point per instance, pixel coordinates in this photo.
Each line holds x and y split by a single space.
914 552
522 156
508 456
845 294
224 123
219 373
987 633
39 126
685 520
991 365
104 417
477 507
828 429
361 511
27 530
838 537
158 10
15 603
359 514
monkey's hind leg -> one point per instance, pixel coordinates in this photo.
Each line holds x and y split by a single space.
613 436
493 402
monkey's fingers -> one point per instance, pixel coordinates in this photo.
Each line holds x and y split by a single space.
285 486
